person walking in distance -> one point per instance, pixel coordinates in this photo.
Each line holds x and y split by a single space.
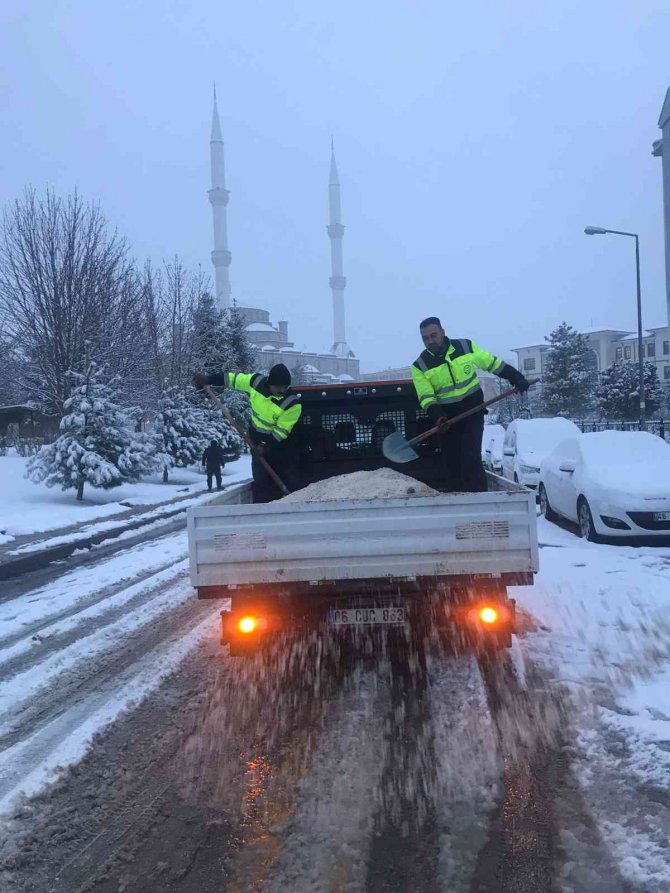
275 409
446 385
212 460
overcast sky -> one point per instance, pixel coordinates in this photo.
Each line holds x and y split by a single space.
474 143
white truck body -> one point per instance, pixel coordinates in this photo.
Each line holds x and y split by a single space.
232 545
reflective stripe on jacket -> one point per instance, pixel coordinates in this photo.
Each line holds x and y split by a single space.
450 377
271 414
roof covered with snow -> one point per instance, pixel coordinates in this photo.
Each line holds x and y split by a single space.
260 327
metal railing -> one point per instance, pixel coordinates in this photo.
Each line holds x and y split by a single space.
654 426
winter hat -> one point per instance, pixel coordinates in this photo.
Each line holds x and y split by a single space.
279 375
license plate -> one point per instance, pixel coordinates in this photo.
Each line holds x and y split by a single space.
366 616
661 516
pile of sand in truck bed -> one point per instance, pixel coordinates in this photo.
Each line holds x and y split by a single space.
385 483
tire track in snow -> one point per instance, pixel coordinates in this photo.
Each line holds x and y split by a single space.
59 736
328 836
29 613
46 691
54 637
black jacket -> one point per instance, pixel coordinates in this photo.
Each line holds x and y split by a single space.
213 457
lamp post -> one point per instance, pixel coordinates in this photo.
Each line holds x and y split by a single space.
599 231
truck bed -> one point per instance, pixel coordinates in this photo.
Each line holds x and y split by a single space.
452 534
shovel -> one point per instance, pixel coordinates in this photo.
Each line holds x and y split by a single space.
264 462
397 449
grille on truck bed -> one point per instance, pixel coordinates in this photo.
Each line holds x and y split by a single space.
342 429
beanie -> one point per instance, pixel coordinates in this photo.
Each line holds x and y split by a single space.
279 375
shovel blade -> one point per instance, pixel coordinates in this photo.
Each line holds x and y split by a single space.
396 449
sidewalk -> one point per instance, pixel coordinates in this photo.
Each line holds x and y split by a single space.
23 553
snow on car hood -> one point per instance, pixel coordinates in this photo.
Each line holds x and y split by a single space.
534 458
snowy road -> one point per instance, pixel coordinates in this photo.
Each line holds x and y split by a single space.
185 770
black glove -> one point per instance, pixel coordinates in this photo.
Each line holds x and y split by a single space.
200 379
261 449
436 412
515 378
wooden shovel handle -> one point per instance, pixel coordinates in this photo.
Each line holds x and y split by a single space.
451 422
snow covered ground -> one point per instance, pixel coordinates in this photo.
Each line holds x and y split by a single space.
604 635
78 652
28 508
108 634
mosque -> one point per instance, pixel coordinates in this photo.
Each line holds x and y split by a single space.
272 342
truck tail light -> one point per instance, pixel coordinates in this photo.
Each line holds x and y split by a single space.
247 624
488 615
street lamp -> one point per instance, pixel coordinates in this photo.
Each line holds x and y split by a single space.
599 231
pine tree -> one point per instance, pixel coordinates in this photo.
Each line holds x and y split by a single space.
239 352
211 352
618 392
570 376
183 428
98 444
219 428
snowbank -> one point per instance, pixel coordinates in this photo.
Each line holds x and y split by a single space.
603 634
27 508
385 483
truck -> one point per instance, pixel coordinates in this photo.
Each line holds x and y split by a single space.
418 568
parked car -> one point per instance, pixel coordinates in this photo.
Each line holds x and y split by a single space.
527 442
612 483
492 447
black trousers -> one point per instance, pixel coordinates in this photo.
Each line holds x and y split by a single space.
462 456
284 461
214 472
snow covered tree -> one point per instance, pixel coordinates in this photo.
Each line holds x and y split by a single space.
98 443
182 427
217 427
210 339
618 392
239 353
570 376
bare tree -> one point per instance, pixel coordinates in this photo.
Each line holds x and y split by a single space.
171 297
69 293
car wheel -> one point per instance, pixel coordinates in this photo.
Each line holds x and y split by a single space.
586 527
545 507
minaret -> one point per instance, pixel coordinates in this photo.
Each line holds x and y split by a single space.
337 280
662 148
218 197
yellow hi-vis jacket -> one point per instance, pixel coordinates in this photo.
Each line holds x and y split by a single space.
271 414
448 381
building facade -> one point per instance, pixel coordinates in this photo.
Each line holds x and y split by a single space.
661 149
609 346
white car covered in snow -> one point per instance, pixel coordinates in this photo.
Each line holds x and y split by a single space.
612 483
527 442
492 447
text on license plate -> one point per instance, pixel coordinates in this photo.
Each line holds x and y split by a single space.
661 516
356 616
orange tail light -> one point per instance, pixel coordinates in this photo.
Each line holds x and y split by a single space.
488 615
247 624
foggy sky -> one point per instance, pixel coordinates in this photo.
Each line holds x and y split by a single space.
474 142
